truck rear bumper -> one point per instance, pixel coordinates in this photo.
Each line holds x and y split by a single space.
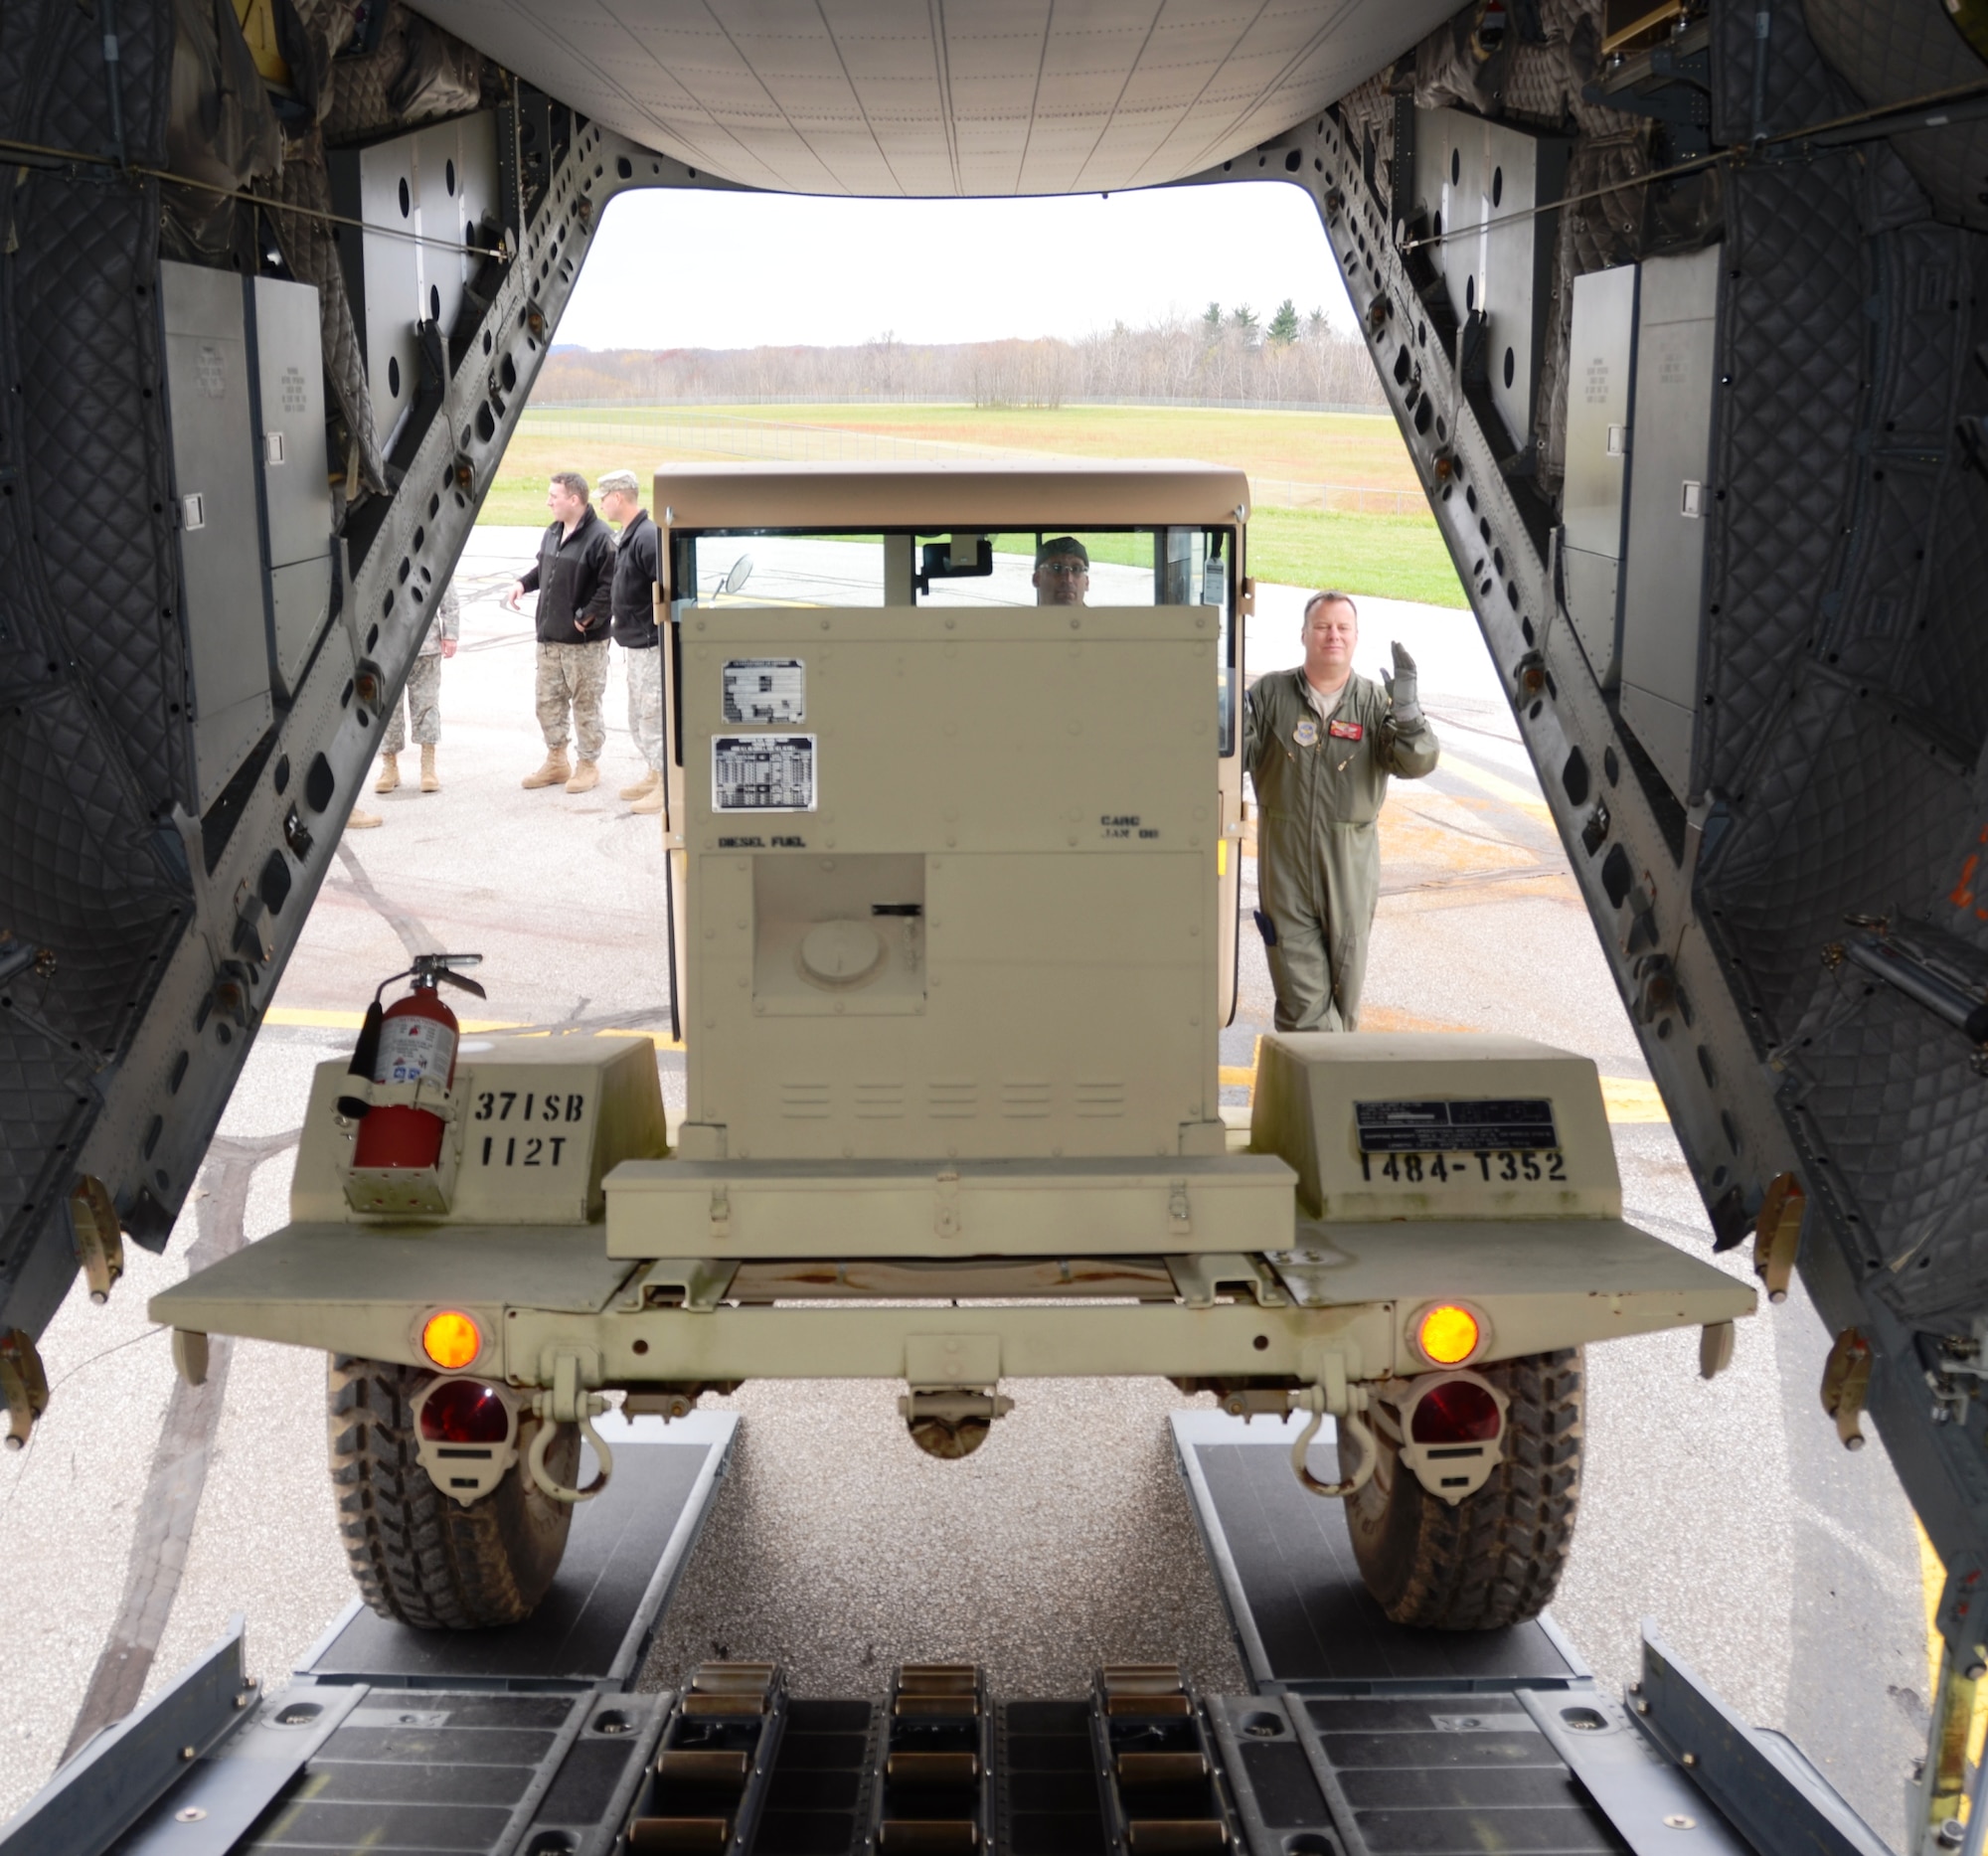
1352 1290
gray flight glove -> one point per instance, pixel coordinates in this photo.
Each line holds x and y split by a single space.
1402 690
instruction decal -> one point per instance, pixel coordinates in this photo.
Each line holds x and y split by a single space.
771 692
1522 1125
762 774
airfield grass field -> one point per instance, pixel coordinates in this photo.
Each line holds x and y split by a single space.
1375 550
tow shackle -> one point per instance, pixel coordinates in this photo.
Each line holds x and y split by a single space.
567 1402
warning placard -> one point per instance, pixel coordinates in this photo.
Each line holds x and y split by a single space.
763 772
769 691
1525 1125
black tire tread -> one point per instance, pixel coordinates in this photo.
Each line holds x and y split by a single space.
419 1556
1495 1558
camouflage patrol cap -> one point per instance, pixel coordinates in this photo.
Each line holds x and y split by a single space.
622 480
1061 545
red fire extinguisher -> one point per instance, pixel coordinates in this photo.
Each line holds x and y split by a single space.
411 1041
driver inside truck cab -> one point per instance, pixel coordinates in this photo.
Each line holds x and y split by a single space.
1063 572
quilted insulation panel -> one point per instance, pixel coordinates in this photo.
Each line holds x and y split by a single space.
94 749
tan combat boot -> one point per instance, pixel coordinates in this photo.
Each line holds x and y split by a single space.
390 774
430 779
585 776
363 821
651 803
554 773
646 784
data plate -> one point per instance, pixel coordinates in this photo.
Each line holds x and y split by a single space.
762 774
768 691
1521 1125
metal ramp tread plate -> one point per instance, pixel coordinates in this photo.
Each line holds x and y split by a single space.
622 1560
1303 1616
397 1740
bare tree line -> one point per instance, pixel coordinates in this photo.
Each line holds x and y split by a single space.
1228 356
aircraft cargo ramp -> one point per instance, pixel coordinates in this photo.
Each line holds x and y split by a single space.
1359 1738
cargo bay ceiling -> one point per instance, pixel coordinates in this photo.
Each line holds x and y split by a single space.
1732 583
919 97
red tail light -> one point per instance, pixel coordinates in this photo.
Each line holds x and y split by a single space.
1457 1411
466 1411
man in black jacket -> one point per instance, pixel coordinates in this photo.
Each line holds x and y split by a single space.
636 573
575 581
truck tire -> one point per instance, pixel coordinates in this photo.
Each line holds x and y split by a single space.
420 1558
1494 1557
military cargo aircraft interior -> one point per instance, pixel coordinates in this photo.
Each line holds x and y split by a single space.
929 1110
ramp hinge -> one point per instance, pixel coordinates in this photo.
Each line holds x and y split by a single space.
945 1204
1178 1209
721 1211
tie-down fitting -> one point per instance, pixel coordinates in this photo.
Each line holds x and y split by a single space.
1333 1393
567 1402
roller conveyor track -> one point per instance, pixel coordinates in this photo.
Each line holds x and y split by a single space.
1360 1739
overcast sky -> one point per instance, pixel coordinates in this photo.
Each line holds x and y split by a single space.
741 269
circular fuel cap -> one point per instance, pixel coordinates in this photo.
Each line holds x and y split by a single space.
841 954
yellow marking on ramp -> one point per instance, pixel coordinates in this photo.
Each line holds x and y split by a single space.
1932 1583
1498 787
1932 1580
1630 1100
313 1018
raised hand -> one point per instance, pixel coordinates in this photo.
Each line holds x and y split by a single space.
1402 690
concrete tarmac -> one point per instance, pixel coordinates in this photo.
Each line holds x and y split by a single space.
1787 1570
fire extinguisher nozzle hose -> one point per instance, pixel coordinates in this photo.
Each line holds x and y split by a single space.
364 1055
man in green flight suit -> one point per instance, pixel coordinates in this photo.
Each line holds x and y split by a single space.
1320 742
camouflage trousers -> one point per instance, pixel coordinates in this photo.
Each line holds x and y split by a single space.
421 706
573 676
645 704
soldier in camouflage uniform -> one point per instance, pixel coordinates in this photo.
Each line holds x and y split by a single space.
421 705
637 570
1320 742
574 578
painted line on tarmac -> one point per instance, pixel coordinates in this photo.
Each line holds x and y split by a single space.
310 1017
1932 1579
1496 785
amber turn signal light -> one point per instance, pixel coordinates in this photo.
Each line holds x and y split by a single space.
1447 1334
450 1339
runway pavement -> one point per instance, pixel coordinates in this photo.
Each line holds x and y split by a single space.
1785 1569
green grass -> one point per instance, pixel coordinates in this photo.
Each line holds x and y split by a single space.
1388 556
1393 557
1309 447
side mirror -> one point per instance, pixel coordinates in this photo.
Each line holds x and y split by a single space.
958 557
741 572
